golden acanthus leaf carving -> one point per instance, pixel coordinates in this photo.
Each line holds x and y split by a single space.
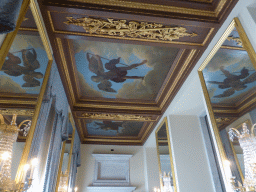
236 39
116 117
222 119
19 112
134 29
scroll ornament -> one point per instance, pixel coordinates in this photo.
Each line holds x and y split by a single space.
133 29
236 39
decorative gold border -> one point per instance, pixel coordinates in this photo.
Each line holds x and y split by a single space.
248 47
155 7
46 43
60 166
170 153
10 36
177 79
70 153
65 69
130 38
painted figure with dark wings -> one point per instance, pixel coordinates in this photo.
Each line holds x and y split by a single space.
12 67
115 74
234 82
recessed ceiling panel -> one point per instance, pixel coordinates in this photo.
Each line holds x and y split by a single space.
113 128
124 71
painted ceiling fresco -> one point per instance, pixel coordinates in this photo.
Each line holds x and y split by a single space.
24 68
114 70
113 128
230 75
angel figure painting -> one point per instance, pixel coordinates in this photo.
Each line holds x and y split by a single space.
126 71
24 67
229 76
113 128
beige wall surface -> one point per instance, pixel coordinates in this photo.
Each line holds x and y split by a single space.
85 173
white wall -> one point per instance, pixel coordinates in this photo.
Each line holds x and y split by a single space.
191 164
16 157
85 173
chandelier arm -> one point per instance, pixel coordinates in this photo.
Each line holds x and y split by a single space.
236 131
14 118
23 122
252 129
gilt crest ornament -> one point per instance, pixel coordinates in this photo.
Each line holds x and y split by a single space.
236 39
132 29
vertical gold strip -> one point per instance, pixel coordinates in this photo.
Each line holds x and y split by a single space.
7 43
72 144
40 26
222 155
47 47
158 155
170 154
60 165
171 158
237 162
246 42
30 136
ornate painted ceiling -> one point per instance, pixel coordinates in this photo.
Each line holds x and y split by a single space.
122 62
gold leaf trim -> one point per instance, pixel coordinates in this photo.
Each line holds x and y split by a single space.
116 117
134 29
236 39
22 112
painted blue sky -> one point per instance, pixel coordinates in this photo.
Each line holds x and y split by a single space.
25 42
93 129
83 67
154 71
233 61
43 60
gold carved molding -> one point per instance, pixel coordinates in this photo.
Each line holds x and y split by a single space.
236 39
134 29
116 117
19 112
223 119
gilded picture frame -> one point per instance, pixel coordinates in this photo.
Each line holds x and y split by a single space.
221 154
165 141
5 47
71 120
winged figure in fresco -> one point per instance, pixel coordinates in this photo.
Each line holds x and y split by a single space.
114 73
12 67
109 125
234 82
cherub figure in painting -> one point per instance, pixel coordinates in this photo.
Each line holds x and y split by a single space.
12 67
115 74
234 82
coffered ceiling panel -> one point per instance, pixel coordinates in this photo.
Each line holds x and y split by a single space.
122 62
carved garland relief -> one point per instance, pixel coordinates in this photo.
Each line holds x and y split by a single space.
134 29
116 117
22 112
